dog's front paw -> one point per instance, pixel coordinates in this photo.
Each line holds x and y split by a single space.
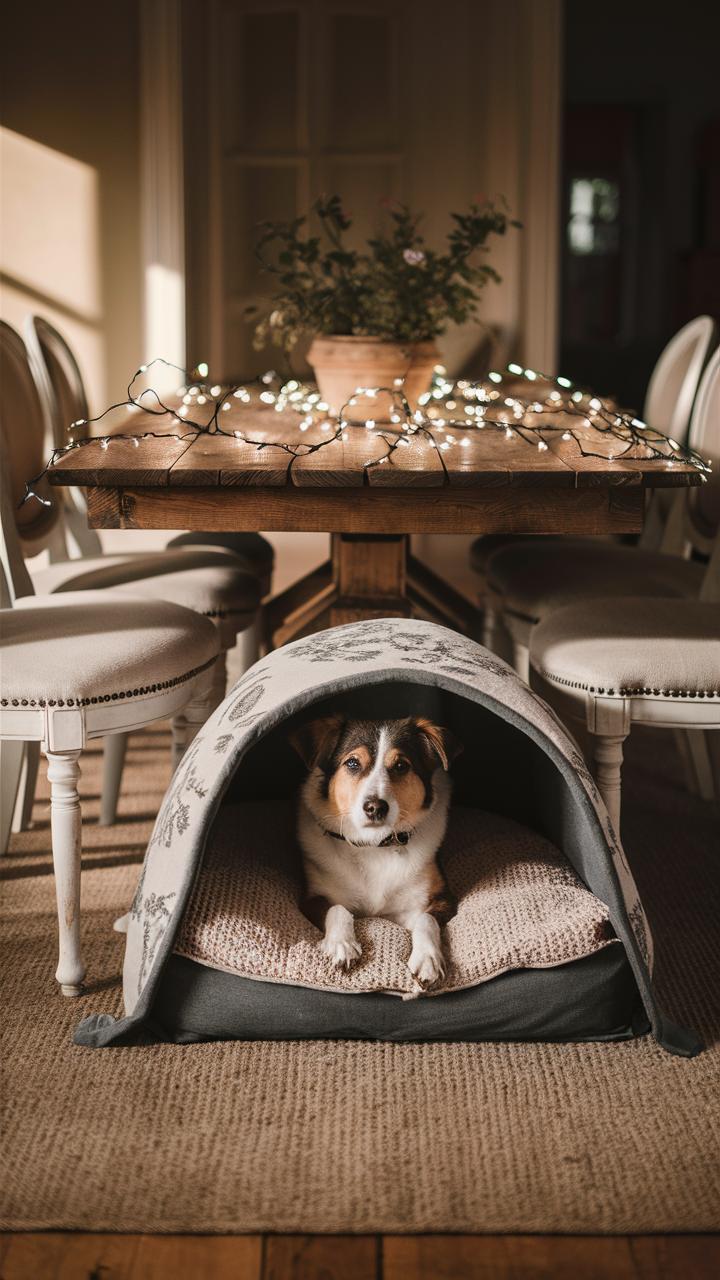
426 965
343 953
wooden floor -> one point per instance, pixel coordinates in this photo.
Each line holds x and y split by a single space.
75 1256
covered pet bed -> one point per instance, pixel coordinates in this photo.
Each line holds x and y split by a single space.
550 940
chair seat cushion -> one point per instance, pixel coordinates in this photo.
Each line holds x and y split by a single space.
488 543
206 581
91 646
535 580
651 647
253 548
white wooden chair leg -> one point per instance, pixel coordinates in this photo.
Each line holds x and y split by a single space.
22 820
248 645
114 748
608 759
521 660
66 825
11 762
218 684
186 723
687 763
179 734
698 752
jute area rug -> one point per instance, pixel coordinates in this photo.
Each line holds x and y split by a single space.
350 1137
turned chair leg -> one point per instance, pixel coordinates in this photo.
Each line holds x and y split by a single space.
186 723
26 791
248 645
521 660
11 760
608 759
114 748
65 822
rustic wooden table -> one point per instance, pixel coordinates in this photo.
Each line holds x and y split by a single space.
492 484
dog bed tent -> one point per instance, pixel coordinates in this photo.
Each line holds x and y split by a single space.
520 768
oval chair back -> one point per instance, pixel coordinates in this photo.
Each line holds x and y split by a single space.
57 364
674 381
37 523
695 516
62 390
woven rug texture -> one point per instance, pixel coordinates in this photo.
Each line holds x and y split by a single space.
356 1137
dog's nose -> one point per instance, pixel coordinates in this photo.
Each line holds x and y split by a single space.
375 808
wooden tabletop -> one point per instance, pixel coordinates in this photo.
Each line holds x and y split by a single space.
490 483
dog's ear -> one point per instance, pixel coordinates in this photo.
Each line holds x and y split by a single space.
315 741
439 741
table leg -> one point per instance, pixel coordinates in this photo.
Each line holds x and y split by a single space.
370 573
368 576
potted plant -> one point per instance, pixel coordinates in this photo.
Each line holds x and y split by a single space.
374 315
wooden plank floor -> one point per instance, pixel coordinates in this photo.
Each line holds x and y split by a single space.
77 1256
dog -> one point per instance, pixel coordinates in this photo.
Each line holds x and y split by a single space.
372 816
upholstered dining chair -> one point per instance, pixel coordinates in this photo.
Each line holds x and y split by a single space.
612 663
212 583
83 665
668 407
528 582
62 389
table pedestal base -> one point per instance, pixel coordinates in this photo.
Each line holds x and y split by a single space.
367 576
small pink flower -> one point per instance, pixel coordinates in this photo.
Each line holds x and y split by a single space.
413 257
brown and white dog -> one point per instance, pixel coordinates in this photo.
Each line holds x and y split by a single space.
372 817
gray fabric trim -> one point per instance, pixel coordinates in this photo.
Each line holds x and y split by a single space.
594 998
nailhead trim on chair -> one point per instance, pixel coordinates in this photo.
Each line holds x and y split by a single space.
107 697
625 692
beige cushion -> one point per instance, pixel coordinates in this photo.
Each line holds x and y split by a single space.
616 646
484 547
208 582
91 646
520 906
535 580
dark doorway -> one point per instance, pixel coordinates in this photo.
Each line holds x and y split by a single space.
641 185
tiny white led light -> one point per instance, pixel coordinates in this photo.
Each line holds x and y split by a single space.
563 382
495 377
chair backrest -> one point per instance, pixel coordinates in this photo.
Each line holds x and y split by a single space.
62 391
694 520
54 363
37 523
674 382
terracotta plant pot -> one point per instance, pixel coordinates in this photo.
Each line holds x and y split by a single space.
342 364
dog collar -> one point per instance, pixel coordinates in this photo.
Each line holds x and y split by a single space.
395 837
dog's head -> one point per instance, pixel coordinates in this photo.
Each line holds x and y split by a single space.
369 778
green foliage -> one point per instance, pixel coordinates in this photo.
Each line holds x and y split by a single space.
398 289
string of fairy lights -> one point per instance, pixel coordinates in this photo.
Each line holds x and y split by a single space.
518 404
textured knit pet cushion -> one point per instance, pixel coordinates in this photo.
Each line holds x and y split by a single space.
615 646
207 581
536 578
520 905
93 644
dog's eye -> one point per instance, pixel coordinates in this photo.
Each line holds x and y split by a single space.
400 767
353 764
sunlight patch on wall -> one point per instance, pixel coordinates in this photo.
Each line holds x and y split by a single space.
50 249
164 323
50 224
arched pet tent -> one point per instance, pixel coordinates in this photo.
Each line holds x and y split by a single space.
519 763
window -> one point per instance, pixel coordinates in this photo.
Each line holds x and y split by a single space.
593 224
